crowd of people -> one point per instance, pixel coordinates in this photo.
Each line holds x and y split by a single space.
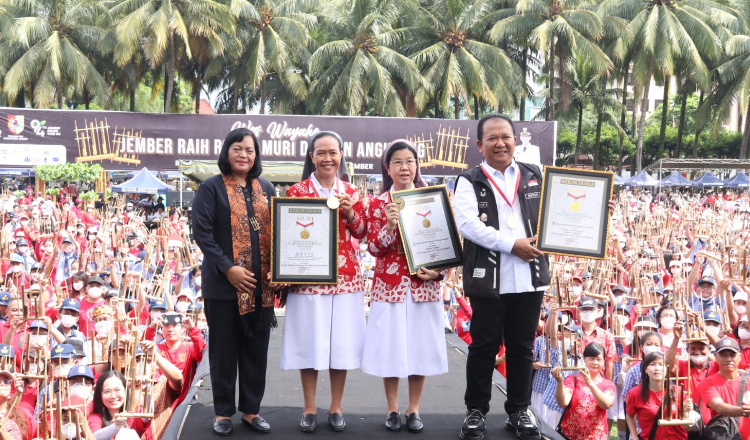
105 312
101 318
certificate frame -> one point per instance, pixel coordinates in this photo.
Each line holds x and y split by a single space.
562 231
448 231
285 241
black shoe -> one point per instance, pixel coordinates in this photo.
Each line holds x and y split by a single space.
309 423
521 423
223 426
473 427
258 424
393 421
336 422
414 423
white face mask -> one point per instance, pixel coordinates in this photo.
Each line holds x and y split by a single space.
39 339
154 315
33 369
743 334
24 223
699 359
78 285
103 327
667 323
181 307
69 430
648 349
363 247
202 325
16 269
623 319
68 321
588 316
577 290
80 390
198 281
740 309
61 370
95 292
713 329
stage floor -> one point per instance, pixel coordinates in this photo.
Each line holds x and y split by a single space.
441 408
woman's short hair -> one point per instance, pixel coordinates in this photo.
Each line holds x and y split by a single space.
593 350
237 135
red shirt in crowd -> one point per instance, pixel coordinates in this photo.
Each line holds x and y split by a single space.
718 386
645 413
86 320
585 417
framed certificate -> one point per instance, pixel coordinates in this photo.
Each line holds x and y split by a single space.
305 238
574 212
427 228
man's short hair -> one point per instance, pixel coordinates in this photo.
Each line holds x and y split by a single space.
480 125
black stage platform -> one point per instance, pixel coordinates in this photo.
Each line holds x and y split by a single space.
442 409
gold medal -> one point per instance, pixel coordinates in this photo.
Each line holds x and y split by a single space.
305 234
426 223
333 203
513 222
399 203
575 206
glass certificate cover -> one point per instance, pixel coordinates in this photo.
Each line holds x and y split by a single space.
428 229
574 212
304 249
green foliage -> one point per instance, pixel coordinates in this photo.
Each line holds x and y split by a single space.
90 195
68 172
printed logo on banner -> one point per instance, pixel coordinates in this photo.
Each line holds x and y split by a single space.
15 124
42 129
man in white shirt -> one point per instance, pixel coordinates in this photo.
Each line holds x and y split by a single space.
496 207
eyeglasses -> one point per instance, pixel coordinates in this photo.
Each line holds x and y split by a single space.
6 381
411 163
112 391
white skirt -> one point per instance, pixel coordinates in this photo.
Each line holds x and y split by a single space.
323 331
405 338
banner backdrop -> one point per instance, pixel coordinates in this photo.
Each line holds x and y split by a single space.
127 141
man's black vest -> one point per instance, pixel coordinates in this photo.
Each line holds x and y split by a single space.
481 265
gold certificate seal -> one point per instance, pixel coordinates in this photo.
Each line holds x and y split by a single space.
305 234
575 206
426 223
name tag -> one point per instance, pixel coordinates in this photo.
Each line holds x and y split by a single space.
482 205
479 273
534 195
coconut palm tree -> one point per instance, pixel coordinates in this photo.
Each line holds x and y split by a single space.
273 36
359 65
735 73
457 60
49 47
665 33
163 30
563 29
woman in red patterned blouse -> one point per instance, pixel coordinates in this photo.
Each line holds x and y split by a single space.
589 395
324 326
405 334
